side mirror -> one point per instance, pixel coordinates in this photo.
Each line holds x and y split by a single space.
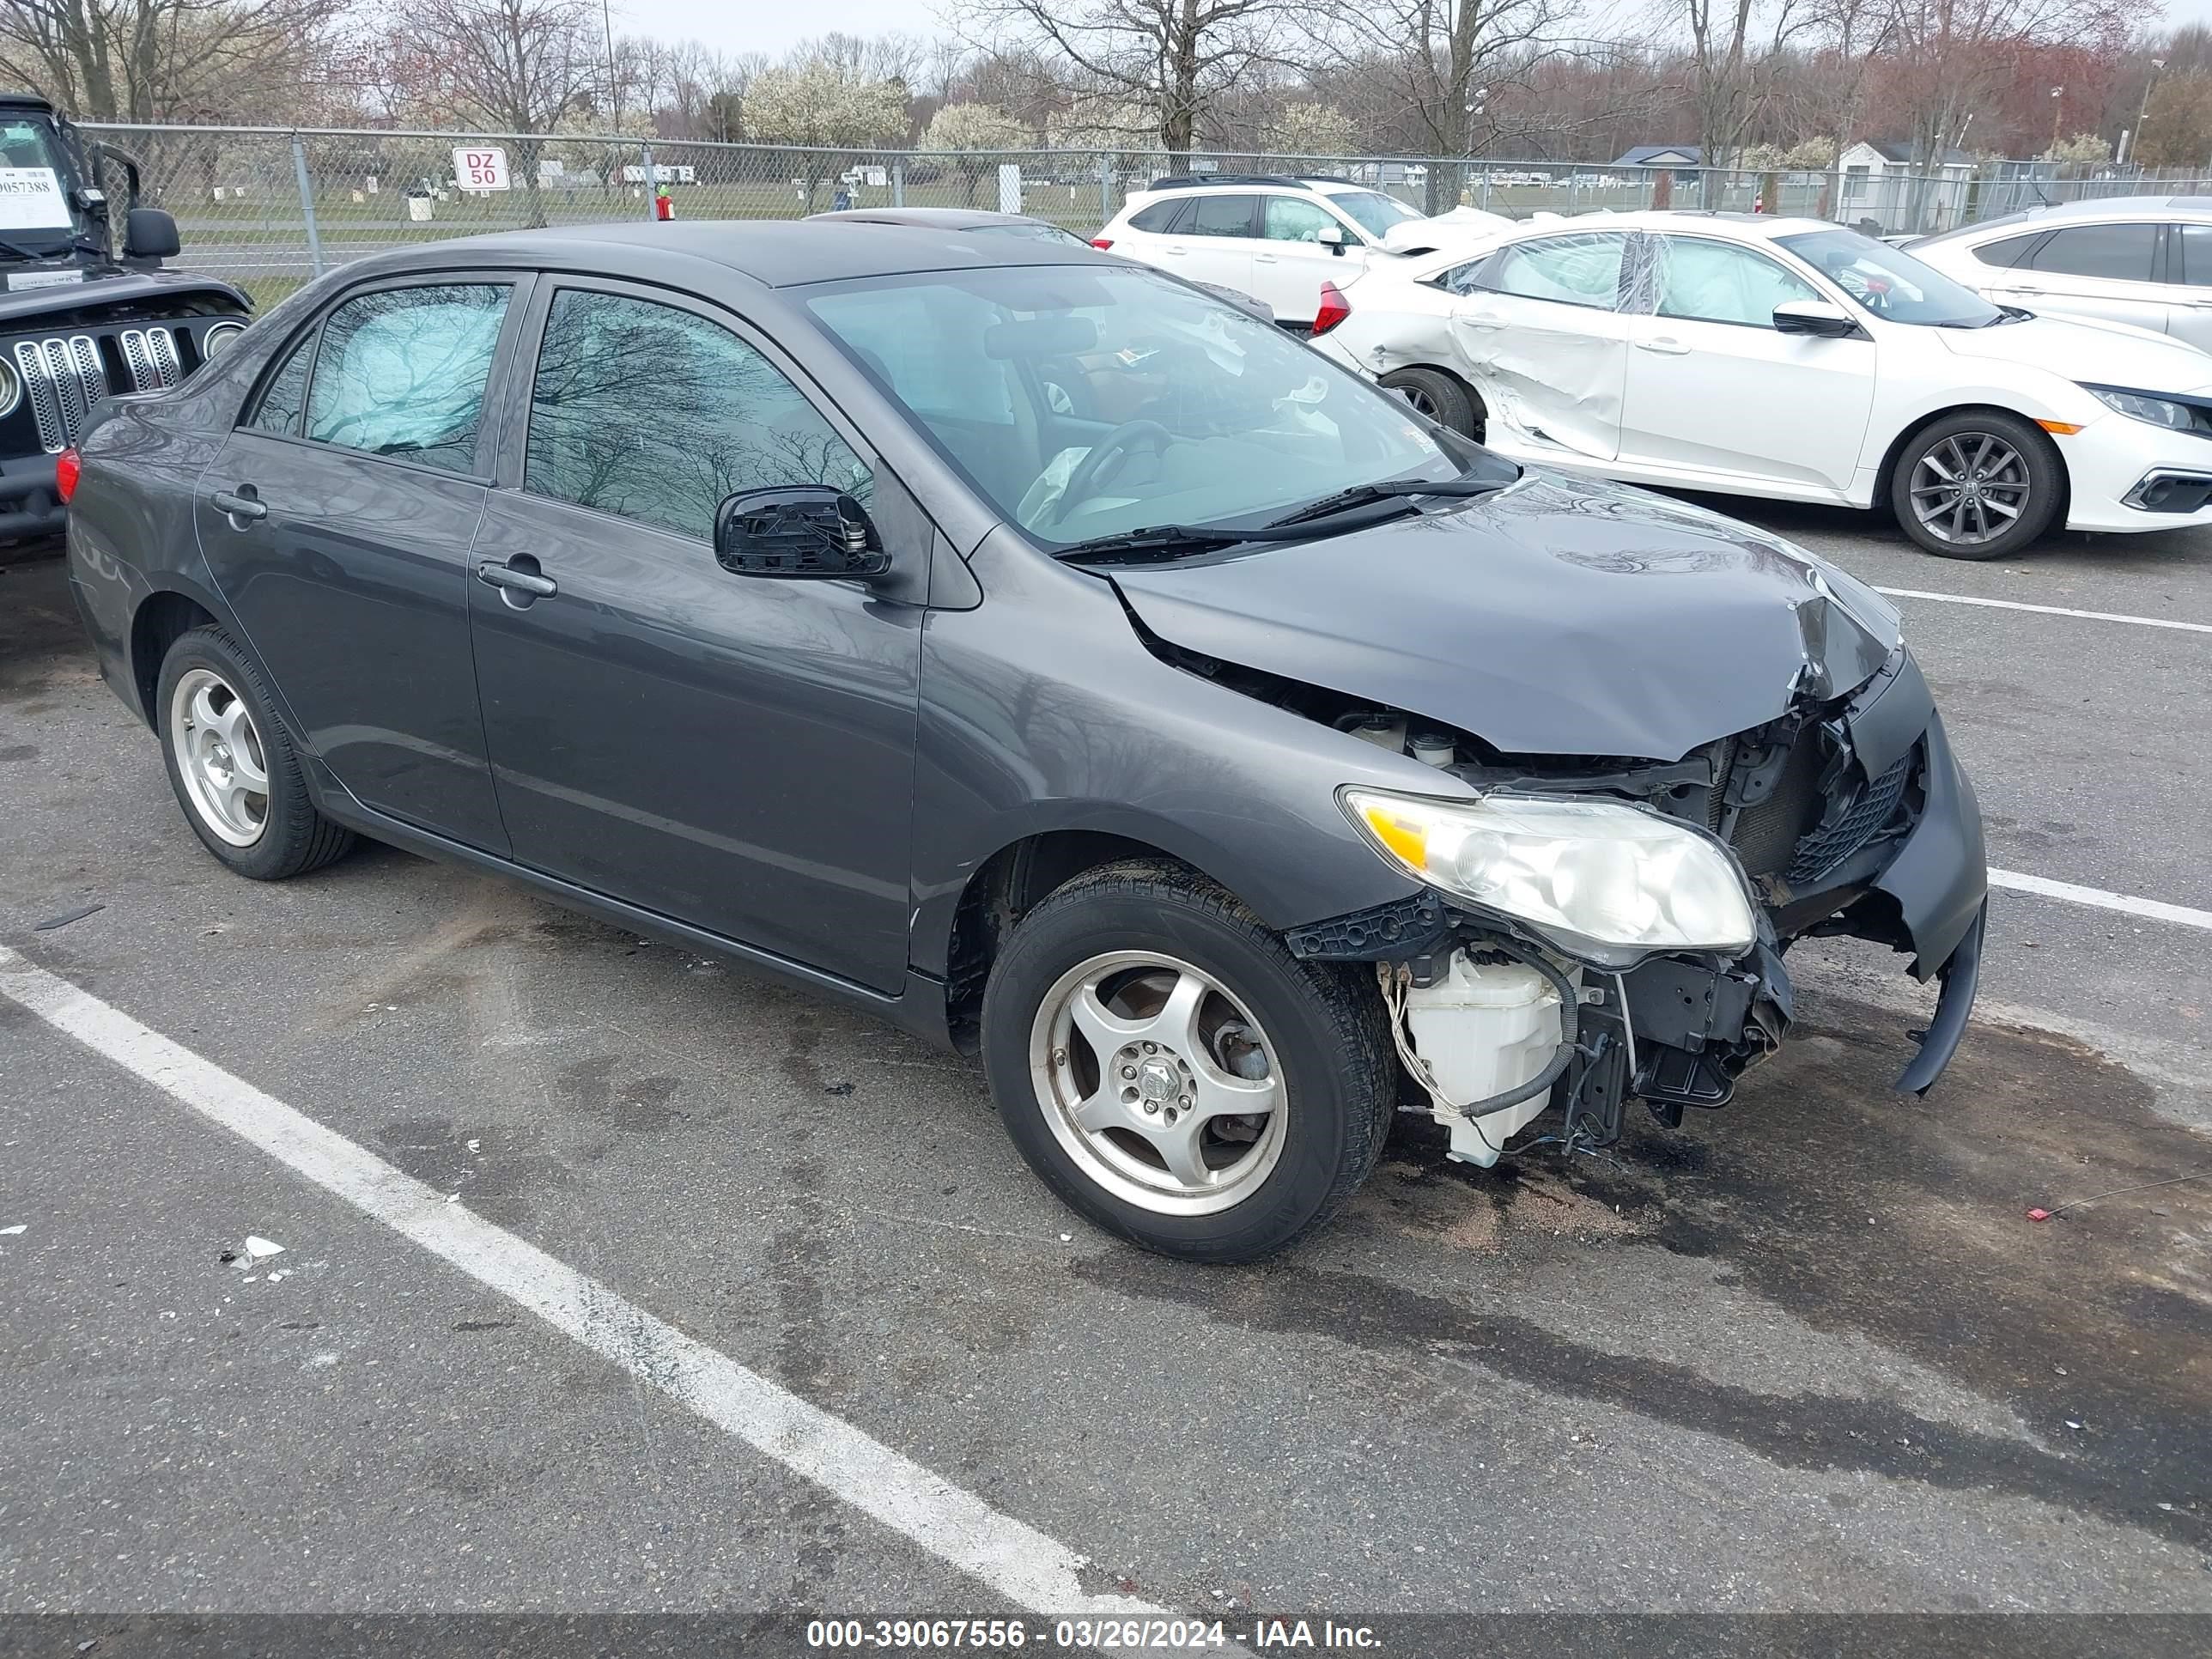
149 234
798 533
1815 317
1332 238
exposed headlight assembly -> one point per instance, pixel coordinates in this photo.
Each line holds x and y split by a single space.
2142 406
11 389
1605 881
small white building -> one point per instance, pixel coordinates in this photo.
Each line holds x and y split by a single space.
1889 184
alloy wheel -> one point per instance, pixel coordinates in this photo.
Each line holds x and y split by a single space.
220 757
1158 1083
1970 488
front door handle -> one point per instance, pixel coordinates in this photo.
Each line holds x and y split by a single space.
1664 347
239 508
492 574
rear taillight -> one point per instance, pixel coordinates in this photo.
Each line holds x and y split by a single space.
1333 309
67 465
1102 241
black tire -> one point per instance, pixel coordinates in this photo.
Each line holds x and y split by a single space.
2035 488
1435 394
293 837
1323 1023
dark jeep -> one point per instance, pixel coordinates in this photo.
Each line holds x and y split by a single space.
77 321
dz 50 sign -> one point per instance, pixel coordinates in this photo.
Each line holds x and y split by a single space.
483 168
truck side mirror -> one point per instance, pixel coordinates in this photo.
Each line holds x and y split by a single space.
149 234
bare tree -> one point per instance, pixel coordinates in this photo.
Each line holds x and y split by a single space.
1171 58
165 60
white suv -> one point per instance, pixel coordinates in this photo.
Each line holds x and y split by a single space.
1270 236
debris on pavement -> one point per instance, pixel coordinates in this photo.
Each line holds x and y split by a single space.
259 1249
11 1232
67 917
2116 1192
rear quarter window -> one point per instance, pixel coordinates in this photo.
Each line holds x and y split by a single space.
2008 252
1159 218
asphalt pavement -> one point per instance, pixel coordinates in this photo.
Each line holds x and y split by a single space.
1808 1353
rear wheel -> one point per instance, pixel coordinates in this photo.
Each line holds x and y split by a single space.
1979 485
1435 394
1174 1074
233 766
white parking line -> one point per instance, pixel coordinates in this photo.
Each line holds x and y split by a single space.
2154 909
2048 610
1020 1563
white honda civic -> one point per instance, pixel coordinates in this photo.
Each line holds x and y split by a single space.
1794 359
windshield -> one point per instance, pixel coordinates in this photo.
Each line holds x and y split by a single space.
1892 284
37 176
1085 401
1035 230
1374 211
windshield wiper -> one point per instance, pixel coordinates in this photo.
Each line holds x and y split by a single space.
1388 489
1157 538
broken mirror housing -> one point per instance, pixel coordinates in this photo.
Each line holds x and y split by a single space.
1606 881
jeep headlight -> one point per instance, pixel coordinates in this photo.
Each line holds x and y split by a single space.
219 338
1603 880
11 389
2141 406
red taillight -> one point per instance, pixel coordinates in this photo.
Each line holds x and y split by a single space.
1102 241
67 465
1333 309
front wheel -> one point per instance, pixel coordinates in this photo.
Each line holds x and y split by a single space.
1977 485
1175 1075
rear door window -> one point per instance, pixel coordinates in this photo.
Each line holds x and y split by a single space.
1224 215
2117 253
1579 270
2188 255
402 371
2009 252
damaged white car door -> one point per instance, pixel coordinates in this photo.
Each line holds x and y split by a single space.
1541 332
1715 387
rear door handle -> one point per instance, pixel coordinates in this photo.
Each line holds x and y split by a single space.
1174 250
1263 259
239 507
492 574
1664 347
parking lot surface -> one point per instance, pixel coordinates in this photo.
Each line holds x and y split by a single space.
1808 1353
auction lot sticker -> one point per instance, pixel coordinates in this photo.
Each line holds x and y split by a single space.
31 199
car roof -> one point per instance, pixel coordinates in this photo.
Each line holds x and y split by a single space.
1739 227
777 253
2095 208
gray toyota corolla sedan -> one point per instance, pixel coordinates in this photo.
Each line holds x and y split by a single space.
1050 658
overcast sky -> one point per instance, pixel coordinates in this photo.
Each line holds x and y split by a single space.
757 26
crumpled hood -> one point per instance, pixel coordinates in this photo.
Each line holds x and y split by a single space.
2104 353
1555 618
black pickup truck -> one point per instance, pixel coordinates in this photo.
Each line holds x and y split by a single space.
79 318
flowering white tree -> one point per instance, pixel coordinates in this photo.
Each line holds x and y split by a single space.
969 136
819 108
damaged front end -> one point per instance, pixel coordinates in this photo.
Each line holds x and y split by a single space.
1846 816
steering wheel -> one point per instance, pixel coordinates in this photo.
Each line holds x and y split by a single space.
1106 457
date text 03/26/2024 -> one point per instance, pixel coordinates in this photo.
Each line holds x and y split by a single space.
1112 1634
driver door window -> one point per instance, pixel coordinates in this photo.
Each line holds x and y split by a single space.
655 413
1290 220
1712 282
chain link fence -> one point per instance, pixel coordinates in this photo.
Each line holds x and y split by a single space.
270 208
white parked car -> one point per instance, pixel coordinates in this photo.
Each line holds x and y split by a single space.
1270 236
1795 359
2140 259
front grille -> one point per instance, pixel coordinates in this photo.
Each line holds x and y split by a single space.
66 375
1829 845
